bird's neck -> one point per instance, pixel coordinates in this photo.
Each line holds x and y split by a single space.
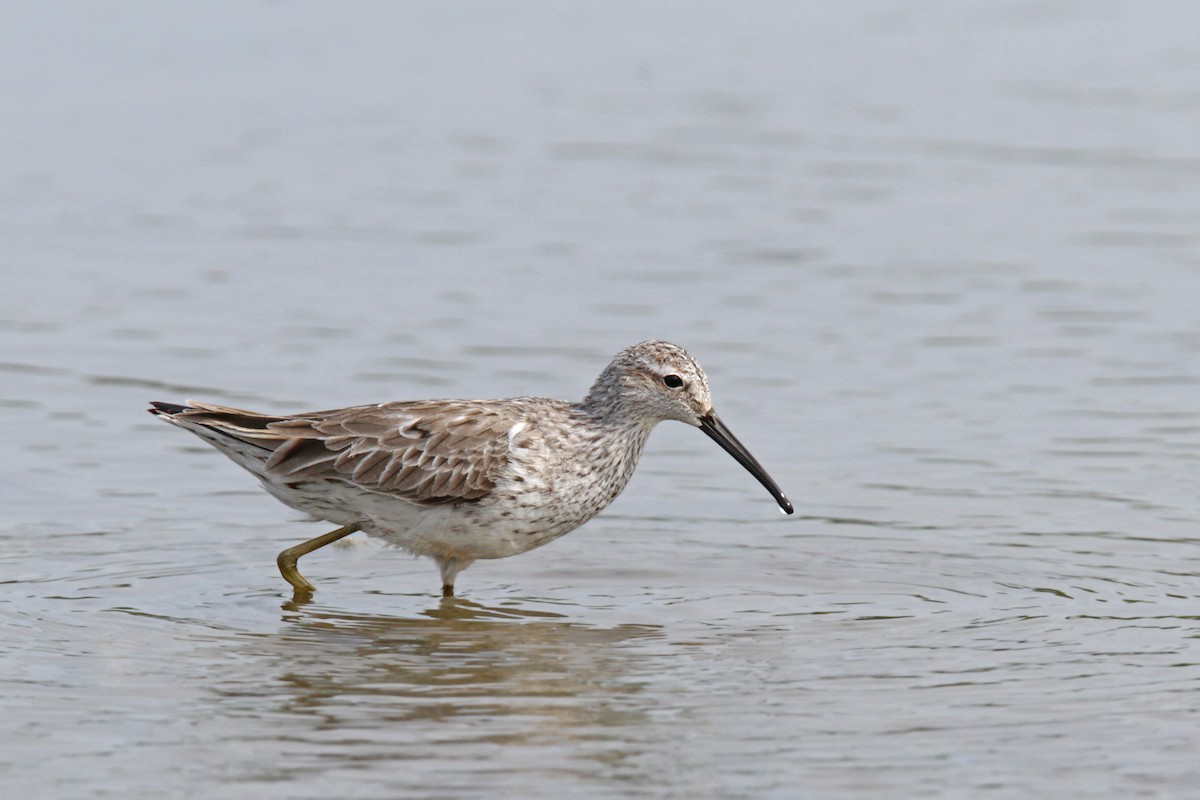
608 405
613 444
618 425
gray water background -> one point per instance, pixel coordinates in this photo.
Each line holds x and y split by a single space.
941 262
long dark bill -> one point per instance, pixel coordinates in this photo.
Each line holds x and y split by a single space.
711 424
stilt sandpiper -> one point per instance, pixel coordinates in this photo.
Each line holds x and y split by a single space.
461 480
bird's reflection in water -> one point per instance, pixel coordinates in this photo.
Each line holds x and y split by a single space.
453 660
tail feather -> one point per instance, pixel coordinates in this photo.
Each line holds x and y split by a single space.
167 409
211 412
222 426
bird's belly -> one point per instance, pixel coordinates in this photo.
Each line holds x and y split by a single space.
490 528
466 529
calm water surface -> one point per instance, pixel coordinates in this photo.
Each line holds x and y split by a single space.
942 266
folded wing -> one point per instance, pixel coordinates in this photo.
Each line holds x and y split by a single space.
428 453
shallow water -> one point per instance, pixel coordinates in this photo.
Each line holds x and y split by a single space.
942 267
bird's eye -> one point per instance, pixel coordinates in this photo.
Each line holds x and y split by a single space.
672 381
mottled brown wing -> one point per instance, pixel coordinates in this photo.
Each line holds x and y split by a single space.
426 452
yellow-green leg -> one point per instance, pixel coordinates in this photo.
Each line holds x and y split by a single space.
288 558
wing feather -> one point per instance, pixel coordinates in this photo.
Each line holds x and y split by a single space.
428 452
